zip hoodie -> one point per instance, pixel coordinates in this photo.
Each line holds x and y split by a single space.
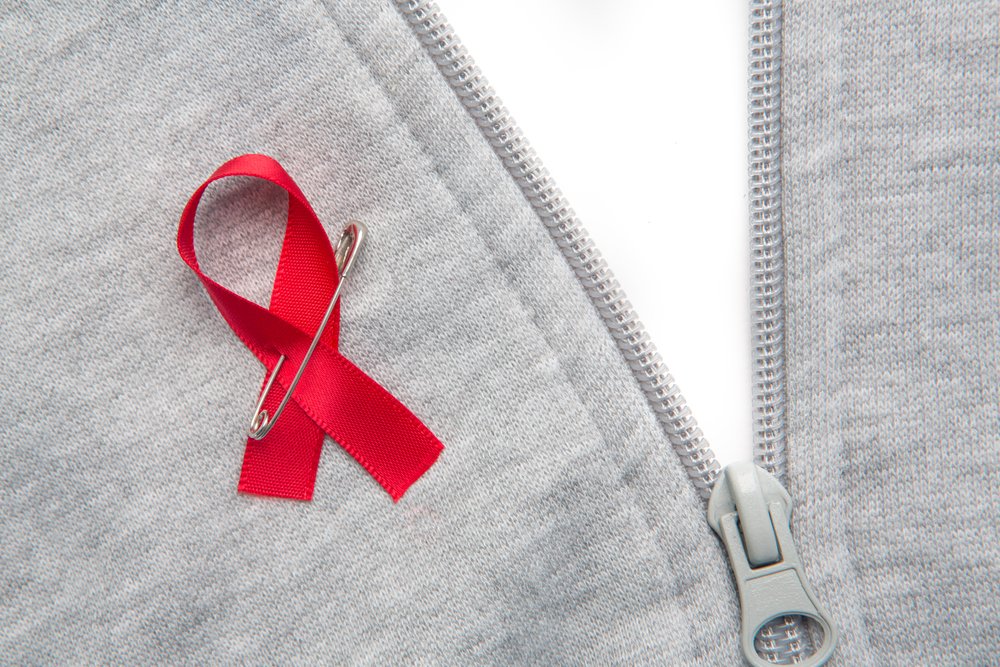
565 521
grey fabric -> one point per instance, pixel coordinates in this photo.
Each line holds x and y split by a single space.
891 176
557 525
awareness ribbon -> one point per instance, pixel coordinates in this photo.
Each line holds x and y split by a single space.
334 397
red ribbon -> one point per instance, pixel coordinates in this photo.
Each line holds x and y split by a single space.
333 397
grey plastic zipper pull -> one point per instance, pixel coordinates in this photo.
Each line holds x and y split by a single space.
750 511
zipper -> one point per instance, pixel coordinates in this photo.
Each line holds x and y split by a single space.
782 622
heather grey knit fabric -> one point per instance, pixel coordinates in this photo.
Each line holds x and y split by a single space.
557 525
891 176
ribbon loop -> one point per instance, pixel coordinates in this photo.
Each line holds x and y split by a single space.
334 397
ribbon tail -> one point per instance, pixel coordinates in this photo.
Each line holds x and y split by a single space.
284 463
368 422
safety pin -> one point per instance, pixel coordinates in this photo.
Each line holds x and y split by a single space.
344 254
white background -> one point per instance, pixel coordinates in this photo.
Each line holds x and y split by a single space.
639 110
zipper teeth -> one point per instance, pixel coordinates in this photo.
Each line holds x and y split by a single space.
787 640
492 117
768 310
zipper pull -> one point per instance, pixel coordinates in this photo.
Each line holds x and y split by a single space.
750 511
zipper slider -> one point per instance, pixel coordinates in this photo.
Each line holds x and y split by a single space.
750 511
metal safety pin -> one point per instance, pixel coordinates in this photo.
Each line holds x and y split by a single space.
345 253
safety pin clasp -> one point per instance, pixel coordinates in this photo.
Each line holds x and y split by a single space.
345 254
